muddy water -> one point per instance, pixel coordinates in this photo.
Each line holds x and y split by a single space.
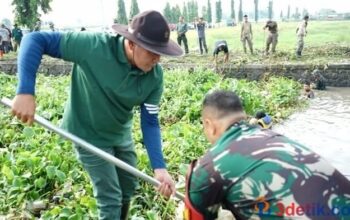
324 127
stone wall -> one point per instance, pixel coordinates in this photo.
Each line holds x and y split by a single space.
336 74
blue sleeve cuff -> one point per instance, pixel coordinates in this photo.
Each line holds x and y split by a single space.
33 46
151 135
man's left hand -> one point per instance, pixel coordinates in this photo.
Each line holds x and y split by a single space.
167 185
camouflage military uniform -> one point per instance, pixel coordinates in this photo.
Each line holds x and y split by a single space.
301 33
257 174
272 38
246 36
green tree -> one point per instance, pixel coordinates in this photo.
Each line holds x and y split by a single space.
240 12
281 15
192 8
233 14
168 13
134 10
205 12
176 13
256 10
288 12
196 9
209 12
305 12
270 9
297 14
26 12
218 11
121 16
185 12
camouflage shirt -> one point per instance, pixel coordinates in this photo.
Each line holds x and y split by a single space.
259 174
272 26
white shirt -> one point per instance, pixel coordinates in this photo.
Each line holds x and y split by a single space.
4 34
302 29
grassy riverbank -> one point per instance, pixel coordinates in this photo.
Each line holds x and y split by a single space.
37 165
326 42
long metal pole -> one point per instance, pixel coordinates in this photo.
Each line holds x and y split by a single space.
91 148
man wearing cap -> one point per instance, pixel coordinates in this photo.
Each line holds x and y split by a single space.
301 33
257 173
272 37
181 29
247 34
111 75
220 45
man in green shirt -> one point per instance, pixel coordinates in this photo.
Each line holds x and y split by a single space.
181 29
17 37
259 174
111 75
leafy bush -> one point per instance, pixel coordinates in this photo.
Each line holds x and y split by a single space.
37 165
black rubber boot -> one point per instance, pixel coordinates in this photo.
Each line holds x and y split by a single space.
125 211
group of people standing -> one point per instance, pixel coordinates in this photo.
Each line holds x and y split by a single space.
246 36
9 40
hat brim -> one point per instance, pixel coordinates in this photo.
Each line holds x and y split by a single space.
170 49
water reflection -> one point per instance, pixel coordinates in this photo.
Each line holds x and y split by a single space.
324 127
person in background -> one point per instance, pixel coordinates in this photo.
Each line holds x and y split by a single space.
17 37
257 173
221 45
272 37
308 93
200 25
262 119
181 29
6 38
318 80
111 75
301 33
247 35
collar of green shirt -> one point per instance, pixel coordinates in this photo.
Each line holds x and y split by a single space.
121 56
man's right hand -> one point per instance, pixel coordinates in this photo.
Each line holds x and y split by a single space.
23 108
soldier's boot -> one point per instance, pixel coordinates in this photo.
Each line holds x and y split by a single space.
298 54
125 211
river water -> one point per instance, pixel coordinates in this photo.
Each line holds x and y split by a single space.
324 127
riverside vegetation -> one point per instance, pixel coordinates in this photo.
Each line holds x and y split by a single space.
39 167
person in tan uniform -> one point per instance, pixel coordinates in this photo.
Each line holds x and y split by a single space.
301 33
247 34
272 38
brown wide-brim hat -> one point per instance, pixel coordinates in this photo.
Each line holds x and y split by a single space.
150 31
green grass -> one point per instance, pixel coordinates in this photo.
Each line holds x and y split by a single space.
320 33
327 41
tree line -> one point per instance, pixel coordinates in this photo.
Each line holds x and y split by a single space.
27 12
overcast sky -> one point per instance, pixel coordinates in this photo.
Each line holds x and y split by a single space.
102 12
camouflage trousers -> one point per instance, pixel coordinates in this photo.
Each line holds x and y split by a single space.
272 38
245 40
300 44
